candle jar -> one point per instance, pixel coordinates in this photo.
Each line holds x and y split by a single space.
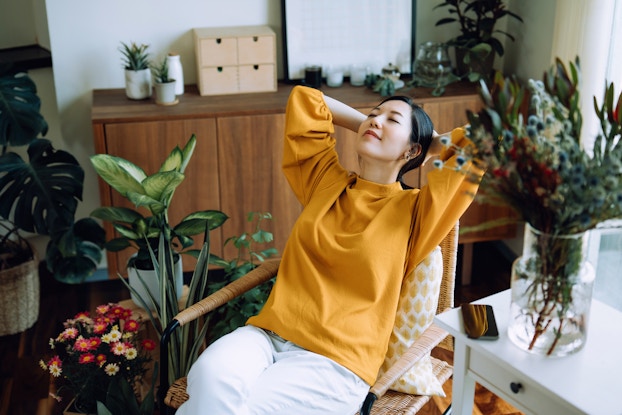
334 76
358 73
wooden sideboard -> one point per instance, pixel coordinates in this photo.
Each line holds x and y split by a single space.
236 167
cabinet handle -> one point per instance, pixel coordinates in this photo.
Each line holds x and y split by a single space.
515 386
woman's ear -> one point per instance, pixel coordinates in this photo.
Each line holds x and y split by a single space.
415 150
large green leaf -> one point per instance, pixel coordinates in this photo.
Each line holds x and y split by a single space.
73 254
195 223
122 175
20 120
117 214
173 161
41 196
187 152
160 186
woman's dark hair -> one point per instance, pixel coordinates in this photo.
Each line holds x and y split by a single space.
421 133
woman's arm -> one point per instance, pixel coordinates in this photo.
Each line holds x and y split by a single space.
344 115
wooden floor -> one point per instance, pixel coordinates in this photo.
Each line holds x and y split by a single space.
24 385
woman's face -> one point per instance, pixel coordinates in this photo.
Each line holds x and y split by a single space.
385 134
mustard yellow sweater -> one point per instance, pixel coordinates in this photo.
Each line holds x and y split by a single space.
339 281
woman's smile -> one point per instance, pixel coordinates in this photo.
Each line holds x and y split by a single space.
373 134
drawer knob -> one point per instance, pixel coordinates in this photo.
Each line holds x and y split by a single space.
515 387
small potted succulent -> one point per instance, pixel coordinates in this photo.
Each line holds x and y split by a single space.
137 73
164 85
478 43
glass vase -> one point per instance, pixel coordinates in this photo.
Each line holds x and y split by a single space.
432 65
551 293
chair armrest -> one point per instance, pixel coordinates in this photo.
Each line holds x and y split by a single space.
257 276
430 338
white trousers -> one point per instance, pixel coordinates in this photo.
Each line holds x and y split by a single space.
254 372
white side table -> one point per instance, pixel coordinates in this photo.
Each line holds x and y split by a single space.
587 382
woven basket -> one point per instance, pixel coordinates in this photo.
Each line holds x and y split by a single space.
19 308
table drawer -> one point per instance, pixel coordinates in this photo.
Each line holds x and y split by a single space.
218 51
253 50
218 80
257 78
522 393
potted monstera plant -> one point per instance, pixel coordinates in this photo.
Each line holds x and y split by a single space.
478 42
40 189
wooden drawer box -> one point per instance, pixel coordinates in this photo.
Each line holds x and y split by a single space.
232 60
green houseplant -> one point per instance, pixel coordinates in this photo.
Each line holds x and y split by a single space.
164 85
159 243
478 42
137 74
153 194
41 196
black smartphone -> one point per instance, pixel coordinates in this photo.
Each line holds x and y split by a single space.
479 321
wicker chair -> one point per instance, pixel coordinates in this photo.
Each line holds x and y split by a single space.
380 399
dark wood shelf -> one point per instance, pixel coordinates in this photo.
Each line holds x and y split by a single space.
25 58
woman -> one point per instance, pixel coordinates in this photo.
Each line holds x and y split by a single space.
319 341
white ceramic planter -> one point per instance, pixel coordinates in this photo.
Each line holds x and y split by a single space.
153 284
138 84
165 93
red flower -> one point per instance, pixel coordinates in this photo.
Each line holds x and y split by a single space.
55 361
87 358
82 345
131 326
100 326
82 314
102 309
117 311
94 342
100 359
148 344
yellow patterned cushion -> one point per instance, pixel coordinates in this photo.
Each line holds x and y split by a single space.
416 310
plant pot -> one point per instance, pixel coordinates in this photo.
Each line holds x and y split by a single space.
551 294
138 84
19 308
152 282
165 93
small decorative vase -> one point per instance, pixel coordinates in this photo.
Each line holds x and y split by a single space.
175 71
551 293
138 84
152 283
432 65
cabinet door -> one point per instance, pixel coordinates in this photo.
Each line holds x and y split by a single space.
250 150
446 116
147 144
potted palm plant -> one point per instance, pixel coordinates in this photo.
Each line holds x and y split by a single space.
38 196
137 73
478 43
164 85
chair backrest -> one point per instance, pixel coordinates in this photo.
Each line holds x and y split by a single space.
449 250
